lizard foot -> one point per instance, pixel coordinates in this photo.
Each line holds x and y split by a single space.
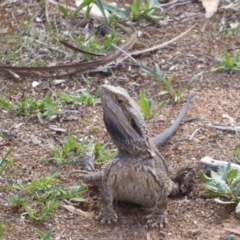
157 219
184 178
107 216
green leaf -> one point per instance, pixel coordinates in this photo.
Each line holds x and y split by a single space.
47 236
230 237
211 187
161 106
223 202
55 171
204 177
143 103
233 173
78 199
222 186
40 117
223 171
74 190
100 6
63 10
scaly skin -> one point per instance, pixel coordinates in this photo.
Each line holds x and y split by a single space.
138 172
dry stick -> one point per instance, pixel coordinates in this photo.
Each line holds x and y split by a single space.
194 133
208 164
227 128
162 44
152 48
46 11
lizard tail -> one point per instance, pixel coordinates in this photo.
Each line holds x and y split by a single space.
163 137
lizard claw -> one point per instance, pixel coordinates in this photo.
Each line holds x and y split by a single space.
184 177
157 219
107 217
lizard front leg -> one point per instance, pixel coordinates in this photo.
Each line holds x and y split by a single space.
159 216
107 214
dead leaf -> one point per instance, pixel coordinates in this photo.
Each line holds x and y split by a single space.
233 230
210 7
77 211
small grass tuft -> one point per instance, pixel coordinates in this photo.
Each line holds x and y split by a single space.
227 63
39 197
145 105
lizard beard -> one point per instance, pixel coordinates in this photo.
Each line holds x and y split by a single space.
124 139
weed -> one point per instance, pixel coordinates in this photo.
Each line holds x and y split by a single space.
39 197
3 162
237 154
228 64
101 153
168 85
69 150
2 230
44 108
225 183
145 105
42 235
5 104
86 98
69 14
139 9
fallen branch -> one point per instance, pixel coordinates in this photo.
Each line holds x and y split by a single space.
208 164
77 68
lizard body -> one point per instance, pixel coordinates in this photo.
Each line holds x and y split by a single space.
138 172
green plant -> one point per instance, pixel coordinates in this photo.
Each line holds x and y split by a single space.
101 153
39 198
168 88
16 200
2 230
88 4
230 237
5 104
69 150
86 98
42 235
223 184
228 63
145 105
139 9
72 15
45 107
3 162
167 83
237 154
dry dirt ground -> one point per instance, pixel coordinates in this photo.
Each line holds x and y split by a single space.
215 94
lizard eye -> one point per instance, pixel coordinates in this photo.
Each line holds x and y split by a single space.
120 101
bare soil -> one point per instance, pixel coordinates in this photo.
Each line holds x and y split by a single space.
215 94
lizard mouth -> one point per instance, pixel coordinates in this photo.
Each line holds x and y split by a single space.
135 127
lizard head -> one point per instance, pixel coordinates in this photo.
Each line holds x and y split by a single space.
123 119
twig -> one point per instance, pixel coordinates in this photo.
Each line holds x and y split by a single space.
227 128
194 133
189 119
162 44
46 11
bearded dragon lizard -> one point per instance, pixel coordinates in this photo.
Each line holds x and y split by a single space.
137 173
